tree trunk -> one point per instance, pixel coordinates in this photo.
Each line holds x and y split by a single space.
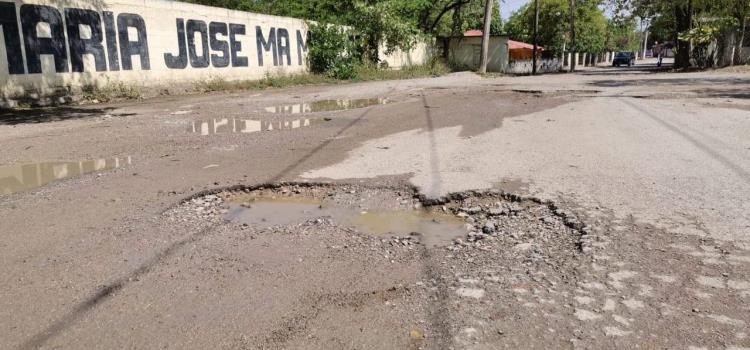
486 36
536 36
573 34
684 19
456 7
740 39
457 21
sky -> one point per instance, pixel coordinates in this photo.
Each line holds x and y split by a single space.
508 6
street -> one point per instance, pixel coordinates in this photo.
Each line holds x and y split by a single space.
605 209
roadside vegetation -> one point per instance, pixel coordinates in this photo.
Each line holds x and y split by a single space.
110 92
349 37
358 73
701 31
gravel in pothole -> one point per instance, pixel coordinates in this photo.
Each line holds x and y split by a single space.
463 220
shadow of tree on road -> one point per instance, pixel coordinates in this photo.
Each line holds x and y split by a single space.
683 81
53 114
715 87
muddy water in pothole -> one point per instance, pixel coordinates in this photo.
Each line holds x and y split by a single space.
434 228
326 106
248 126
18 178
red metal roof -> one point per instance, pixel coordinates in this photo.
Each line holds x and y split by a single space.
514 45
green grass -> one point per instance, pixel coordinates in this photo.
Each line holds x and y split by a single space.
363 73
221 84
111 92
370 73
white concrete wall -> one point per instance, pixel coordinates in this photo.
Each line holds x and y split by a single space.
526 66
418 55
467 52
160 19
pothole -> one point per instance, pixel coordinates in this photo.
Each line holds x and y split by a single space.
266 210
326 106
466 220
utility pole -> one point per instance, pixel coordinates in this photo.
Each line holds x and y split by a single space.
573 35
486 36
645 29
536 35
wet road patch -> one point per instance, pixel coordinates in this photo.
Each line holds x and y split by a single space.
326 106
435 228
18 178
248 126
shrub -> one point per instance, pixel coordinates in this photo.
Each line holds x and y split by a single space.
111 91
332 51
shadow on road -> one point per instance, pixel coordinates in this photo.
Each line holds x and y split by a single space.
642 68
53 114
727 86
682 80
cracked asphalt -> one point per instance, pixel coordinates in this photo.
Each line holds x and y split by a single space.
603 209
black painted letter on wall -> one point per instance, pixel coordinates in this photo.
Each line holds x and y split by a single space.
266 45
214 29
130 48
31 16
236 46
200 27
180 61
9 24
78 45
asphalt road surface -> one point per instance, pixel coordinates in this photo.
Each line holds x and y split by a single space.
603 209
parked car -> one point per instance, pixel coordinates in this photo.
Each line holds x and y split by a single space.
624 58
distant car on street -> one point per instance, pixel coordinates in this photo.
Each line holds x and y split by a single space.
624 58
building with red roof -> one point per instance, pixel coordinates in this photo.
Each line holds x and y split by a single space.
504 54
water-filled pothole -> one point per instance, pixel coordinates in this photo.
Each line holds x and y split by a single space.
326 106
434 228
460 220
18 178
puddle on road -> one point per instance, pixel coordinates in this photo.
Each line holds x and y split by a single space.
326 106
435 228
18 178
246 126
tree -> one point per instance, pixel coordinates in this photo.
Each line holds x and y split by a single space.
573 34
555 33
486 36
622 31
738 11
678 21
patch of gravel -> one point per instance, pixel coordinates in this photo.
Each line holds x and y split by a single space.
492 217
519 254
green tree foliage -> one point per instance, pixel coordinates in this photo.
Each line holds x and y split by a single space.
682 22
395 24
332 51
591 27
554 28
622 35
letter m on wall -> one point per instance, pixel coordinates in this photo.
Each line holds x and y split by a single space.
12 37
